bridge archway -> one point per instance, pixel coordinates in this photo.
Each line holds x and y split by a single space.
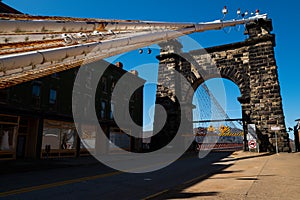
217 116
250 64
217 93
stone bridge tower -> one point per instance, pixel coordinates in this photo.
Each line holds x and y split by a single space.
250 64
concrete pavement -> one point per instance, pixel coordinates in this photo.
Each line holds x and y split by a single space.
248 176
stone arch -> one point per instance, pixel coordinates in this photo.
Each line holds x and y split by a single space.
250 64
236 77
220 85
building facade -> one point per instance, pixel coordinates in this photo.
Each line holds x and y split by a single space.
36 119
7 9
297 136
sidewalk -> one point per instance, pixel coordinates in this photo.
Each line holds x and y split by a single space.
249 176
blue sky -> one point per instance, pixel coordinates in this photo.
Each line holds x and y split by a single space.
285 17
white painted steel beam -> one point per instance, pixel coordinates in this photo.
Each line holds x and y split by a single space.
141 34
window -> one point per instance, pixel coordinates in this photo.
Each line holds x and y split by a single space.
104 84
118 139
52 98
55 75
88 137
59 135
68 139
112 110
8 134
51 136
36 90
113 83
103 110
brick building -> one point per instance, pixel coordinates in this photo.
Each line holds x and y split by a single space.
7 9
37 114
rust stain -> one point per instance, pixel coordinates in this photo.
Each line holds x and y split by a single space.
101 27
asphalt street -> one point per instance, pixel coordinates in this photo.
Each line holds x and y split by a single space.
95 181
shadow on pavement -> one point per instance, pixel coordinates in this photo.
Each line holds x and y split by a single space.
248 157
229 172
216 167
192 169
19 166
184 195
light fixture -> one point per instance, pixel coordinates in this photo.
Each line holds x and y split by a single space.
238 12
149 51
225 10
257 12
140 51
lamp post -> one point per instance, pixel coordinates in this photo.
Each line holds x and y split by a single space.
276 142
245 118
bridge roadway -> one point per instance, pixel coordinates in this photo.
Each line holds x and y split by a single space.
221 175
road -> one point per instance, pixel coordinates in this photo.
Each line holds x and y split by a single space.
96 181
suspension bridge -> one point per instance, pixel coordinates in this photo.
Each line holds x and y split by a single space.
37 46
213 128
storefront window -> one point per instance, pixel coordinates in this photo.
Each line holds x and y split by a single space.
118 139
59 135
68 139
88 137
8 135
51 136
